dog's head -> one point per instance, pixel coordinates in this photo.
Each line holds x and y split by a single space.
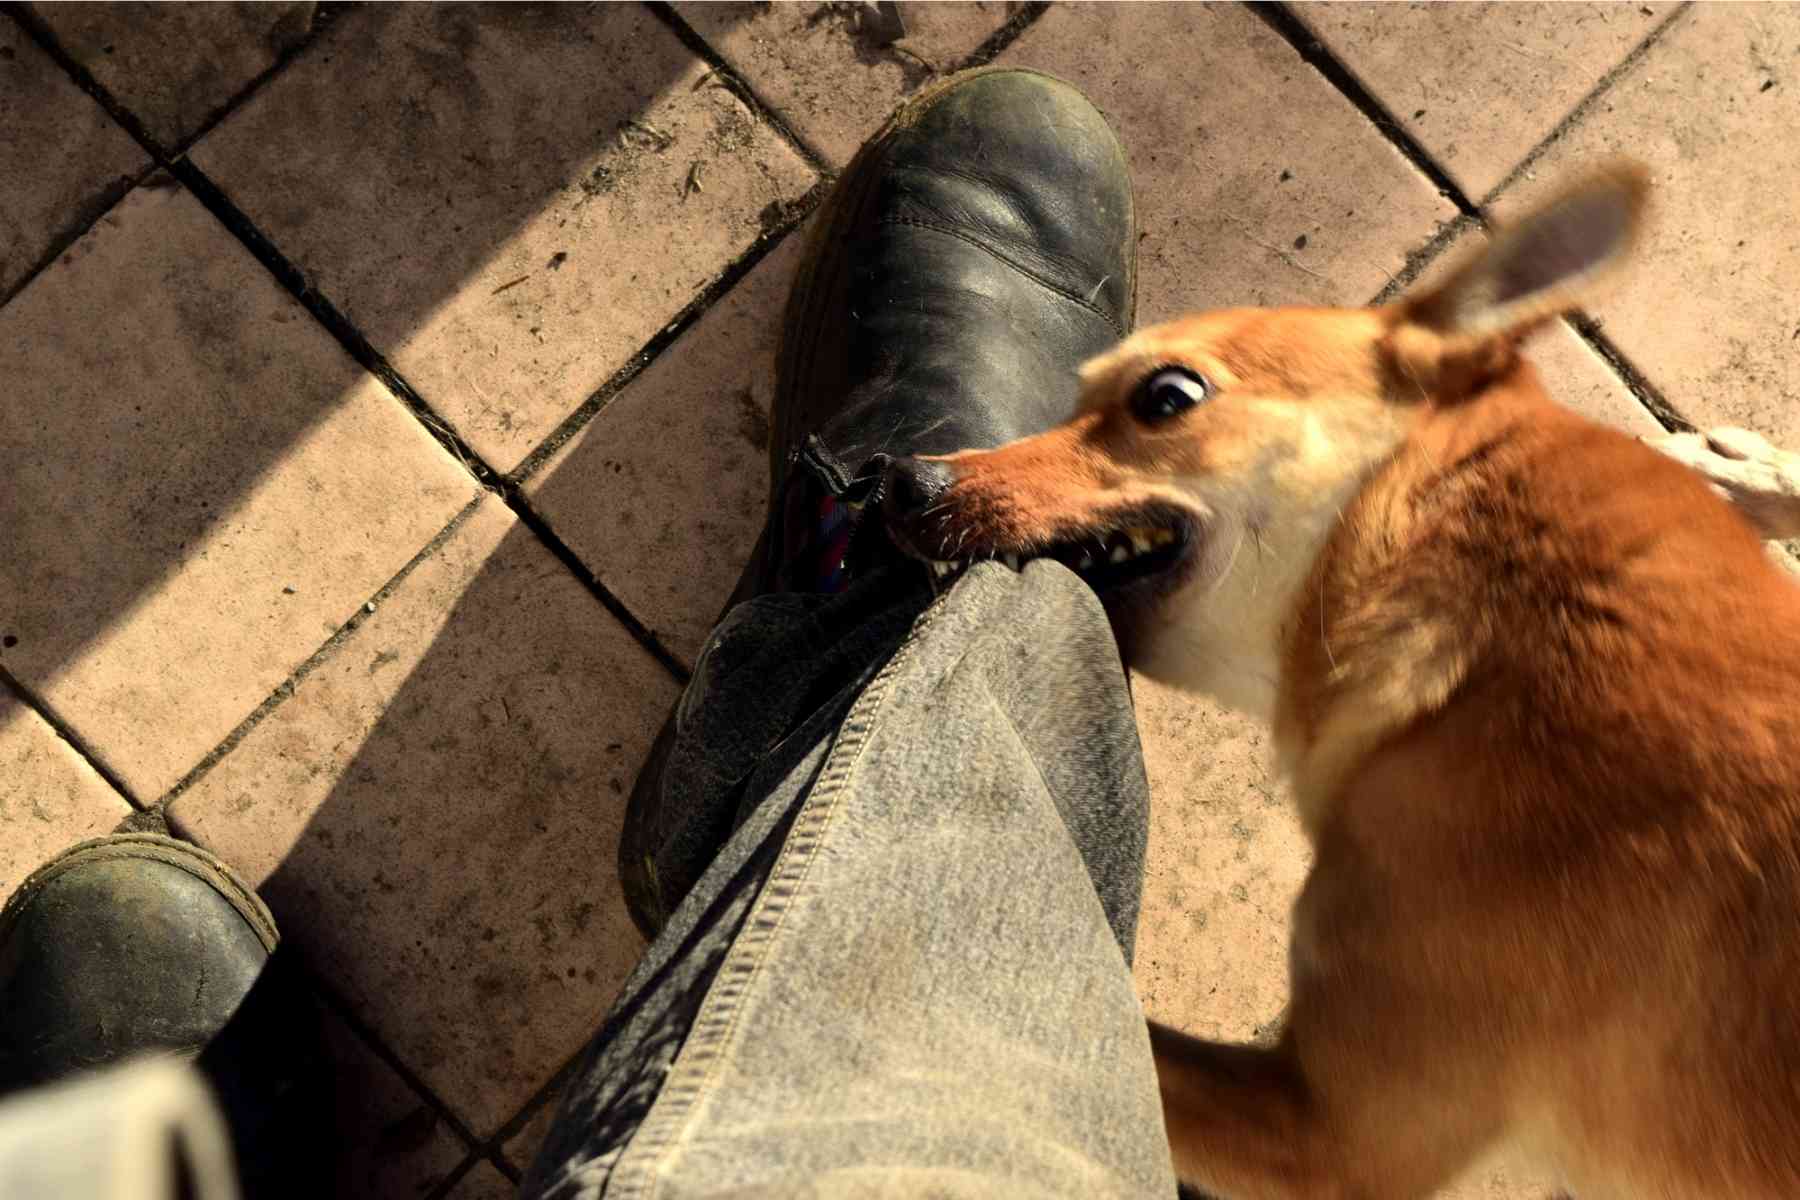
1210 458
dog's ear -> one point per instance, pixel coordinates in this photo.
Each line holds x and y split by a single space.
1446 341
1555 258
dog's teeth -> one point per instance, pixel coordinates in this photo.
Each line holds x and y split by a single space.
1162 537
941 569
1120 554
1084 562
1139 542
1012 560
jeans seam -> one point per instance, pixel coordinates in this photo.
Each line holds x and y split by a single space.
693 1074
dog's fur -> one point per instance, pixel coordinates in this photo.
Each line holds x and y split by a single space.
1538 691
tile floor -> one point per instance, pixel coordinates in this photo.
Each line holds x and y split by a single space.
364 365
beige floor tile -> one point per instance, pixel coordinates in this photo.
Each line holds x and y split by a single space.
174 65
62 159
1708 311
434 814
1237 204
483 1182
201 486
1225 863
1479 85
663 492
1578 377
49 798
831 82
390 1142
507 200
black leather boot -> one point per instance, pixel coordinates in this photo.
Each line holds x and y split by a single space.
973 254
138 944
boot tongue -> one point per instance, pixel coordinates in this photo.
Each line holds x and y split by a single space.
833 534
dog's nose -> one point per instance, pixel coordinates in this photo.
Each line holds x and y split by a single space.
914 484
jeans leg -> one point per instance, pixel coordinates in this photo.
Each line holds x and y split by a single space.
907 973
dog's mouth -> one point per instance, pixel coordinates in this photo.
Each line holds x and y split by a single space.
1131 551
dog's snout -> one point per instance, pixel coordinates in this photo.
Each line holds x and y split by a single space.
914 484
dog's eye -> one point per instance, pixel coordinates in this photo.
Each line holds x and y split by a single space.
1168 393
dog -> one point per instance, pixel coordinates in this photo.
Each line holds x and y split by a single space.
1536 686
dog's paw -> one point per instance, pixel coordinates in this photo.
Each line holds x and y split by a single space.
1761 479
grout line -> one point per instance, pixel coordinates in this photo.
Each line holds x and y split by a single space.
357 346
87 215
1583 106
528 1112
1419 259
39 31
455 1176
332 1000
504 1165
1646 393
740 87
794 214
534 521
287 686
41 34
327 314
325 15
66 732
1003 37
1311 48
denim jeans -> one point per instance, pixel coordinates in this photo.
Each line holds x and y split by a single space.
907 972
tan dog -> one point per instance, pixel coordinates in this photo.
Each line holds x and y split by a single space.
1538 691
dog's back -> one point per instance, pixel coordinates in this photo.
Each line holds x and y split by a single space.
1581 869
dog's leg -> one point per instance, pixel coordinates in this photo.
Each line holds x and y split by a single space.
1761 479
1246 1123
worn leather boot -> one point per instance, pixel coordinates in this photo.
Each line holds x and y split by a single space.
138 944
973 254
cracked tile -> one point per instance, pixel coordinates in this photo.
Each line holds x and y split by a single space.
830 81
509 201
202 486
62 160
173 66
49 797
433 814
1480 85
